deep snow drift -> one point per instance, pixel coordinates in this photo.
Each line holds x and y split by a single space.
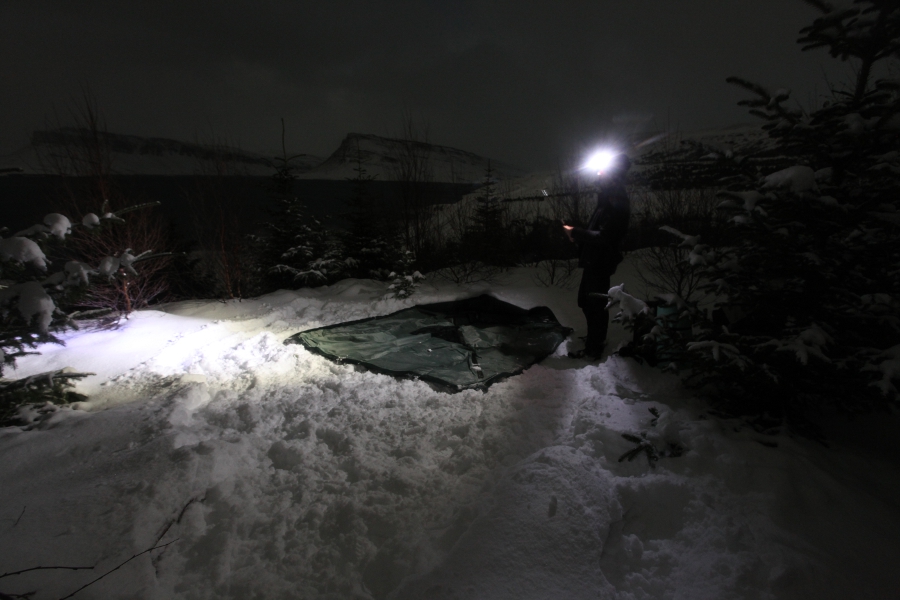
283 475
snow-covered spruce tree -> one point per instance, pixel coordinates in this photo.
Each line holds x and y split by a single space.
405 279
489 238
295 250
372 243
802 306
32 295
484 245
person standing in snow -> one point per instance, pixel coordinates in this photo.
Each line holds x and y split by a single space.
600 250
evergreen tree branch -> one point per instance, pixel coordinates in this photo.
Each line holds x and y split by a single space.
822 5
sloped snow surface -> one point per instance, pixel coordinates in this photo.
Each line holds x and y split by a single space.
277 473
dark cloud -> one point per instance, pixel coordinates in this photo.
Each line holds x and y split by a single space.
522 81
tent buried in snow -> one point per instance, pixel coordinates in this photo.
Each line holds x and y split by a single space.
462 344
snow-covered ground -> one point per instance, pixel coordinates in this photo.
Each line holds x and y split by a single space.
279 474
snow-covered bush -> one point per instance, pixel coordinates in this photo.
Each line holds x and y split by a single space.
120 288
556 272
33 289
800 308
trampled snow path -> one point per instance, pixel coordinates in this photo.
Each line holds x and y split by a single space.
283 475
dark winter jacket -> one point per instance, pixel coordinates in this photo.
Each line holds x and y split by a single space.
600 243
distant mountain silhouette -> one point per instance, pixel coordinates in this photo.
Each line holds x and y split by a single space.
52 152
708 144
390 159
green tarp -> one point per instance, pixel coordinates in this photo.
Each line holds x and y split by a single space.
462 344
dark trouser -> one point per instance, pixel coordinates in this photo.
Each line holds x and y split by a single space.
594 281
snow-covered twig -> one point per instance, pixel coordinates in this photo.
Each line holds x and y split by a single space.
119 566
180 516
13 573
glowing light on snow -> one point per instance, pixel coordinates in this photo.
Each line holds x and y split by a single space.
600 161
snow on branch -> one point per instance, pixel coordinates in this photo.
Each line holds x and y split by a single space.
749 201
716 349
48 379
808 342
688 241
629 306
32 302
889 369
23 250
797 179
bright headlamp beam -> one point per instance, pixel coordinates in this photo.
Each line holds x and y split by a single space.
600 161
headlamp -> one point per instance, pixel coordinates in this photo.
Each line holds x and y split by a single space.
600 161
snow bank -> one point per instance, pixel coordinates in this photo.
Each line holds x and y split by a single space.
283 475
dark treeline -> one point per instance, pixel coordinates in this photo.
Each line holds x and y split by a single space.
27 198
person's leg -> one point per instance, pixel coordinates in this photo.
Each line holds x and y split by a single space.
598 325
594 309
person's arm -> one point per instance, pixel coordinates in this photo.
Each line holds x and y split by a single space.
581 235
610 225
587 236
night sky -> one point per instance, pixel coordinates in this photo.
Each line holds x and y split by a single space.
523 81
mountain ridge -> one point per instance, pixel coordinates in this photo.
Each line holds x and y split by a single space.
392 159
58 151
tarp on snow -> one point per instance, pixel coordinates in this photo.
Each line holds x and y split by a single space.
461 344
